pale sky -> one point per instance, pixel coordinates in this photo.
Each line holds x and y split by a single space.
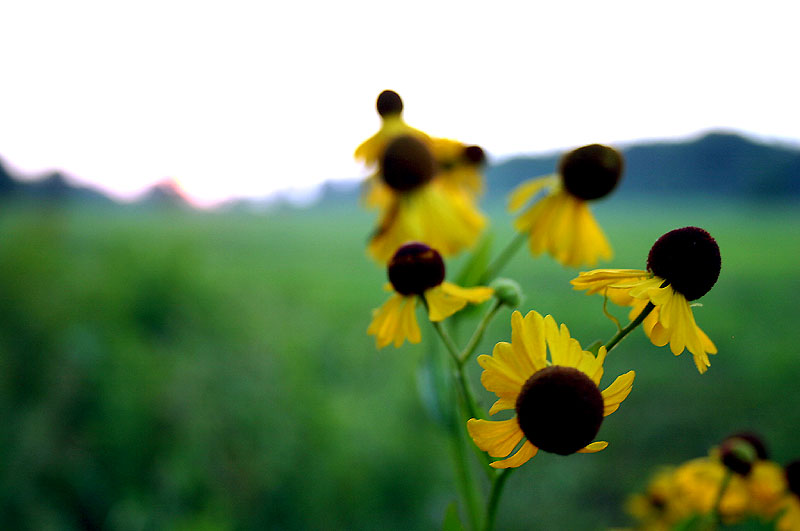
240 98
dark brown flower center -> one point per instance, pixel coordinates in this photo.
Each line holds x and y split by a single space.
389 103
407 163
560 409
738 452
414 268
688 259
592 171
474 155
793 476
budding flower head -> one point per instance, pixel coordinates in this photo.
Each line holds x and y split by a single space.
507 291
474 155
738 452
573 412
389 103
592 171
688 259
414 268
407 163
792 471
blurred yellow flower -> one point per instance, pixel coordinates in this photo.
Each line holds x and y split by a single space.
418 207
417 271
683 265
561 223
559 407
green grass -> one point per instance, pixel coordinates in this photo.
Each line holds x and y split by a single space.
192 370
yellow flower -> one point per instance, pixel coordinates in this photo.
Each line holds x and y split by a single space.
561 223
559 407
767 487
460 165
417 271
418 207
390 109
683 265
699 481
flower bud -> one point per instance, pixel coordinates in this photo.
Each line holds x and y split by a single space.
738 452
507 291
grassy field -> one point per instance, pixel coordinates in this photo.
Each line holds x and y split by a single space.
202 370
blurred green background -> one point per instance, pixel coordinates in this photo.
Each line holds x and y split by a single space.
182 369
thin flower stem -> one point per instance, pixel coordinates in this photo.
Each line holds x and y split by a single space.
469 490
716 515
633 324
502 259
498 482
472 405
478 334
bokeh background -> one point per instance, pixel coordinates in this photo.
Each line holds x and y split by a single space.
170 368
165 366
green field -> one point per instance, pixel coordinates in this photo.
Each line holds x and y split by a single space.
208 370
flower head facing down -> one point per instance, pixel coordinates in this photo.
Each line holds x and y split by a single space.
417 205
561 222
406 164
740 451
557 403
689 260
390 109
591 172
416 271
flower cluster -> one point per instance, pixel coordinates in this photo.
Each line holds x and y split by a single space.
736 482
426 190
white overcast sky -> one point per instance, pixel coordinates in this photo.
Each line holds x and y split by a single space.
243 98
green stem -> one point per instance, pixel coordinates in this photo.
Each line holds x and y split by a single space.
716 516
502 259
478 334
498 482
633 324
469 490
472 405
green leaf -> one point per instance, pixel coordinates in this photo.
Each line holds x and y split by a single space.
475 267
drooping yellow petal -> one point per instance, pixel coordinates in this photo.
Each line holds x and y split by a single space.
370 151
525 191
395 321
617 392
496 437
501 374
564 350
523 455
441 305
592 366
447 221
594 447
446 299
562 225
474 295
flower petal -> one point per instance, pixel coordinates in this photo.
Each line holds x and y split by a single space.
594 447
618 391
442 305
525 191
496 437
474 295
395 321
523 455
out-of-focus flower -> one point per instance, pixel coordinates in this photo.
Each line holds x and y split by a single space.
418 207
683 265
390 109
561 223
698 483
460 165
790 518
416 272
559 406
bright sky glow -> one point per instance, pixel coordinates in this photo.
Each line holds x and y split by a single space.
245 98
